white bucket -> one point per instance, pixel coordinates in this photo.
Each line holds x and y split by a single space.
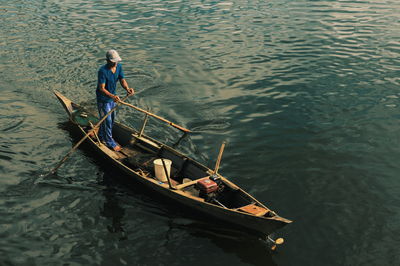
159 169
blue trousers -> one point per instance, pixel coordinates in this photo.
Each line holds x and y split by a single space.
105 131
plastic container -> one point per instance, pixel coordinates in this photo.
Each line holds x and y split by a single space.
159 169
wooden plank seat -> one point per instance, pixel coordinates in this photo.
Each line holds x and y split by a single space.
253 209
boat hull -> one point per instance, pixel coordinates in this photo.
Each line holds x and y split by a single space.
261 226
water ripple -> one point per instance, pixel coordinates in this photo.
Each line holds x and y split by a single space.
306 91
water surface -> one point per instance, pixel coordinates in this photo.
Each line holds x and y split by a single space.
305 92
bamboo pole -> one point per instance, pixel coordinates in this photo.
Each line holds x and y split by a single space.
94 132
143 125
166 174
221 150
156 116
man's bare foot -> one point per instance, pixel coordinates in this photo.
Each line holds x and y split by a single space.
117 148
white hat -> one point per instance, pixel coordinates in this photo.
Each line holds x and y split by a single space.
113 56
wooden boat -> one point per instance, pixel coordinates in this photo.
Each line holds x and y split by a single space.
228 203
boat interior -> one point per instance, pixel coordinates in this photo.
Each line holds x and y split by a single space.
186 175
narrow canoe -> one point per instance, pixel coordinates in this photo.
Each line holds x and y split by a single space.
188 178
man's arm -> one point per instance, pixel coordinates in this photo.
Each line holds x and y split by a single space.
102 88
125 85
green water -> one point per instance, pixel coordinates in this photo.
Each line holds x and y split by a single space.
306 93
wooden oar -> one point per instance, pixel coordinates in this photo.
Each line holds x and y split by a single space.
158 117
85 137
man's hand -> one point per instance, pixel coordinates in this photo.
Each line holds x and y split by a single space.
116 98
130 91
124 84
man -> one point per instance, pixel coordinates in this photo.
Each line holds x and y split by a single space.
107 99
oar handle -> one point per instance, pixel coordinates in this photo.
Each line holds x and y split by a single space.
85 137
156 116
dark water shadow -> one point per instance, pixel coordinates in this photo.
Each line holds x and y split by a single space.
249 249
112 209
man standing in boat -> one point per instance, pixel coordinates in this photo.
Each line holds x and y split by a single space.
107 99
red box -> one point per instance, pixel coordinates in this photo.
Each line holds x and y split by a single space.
207 186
